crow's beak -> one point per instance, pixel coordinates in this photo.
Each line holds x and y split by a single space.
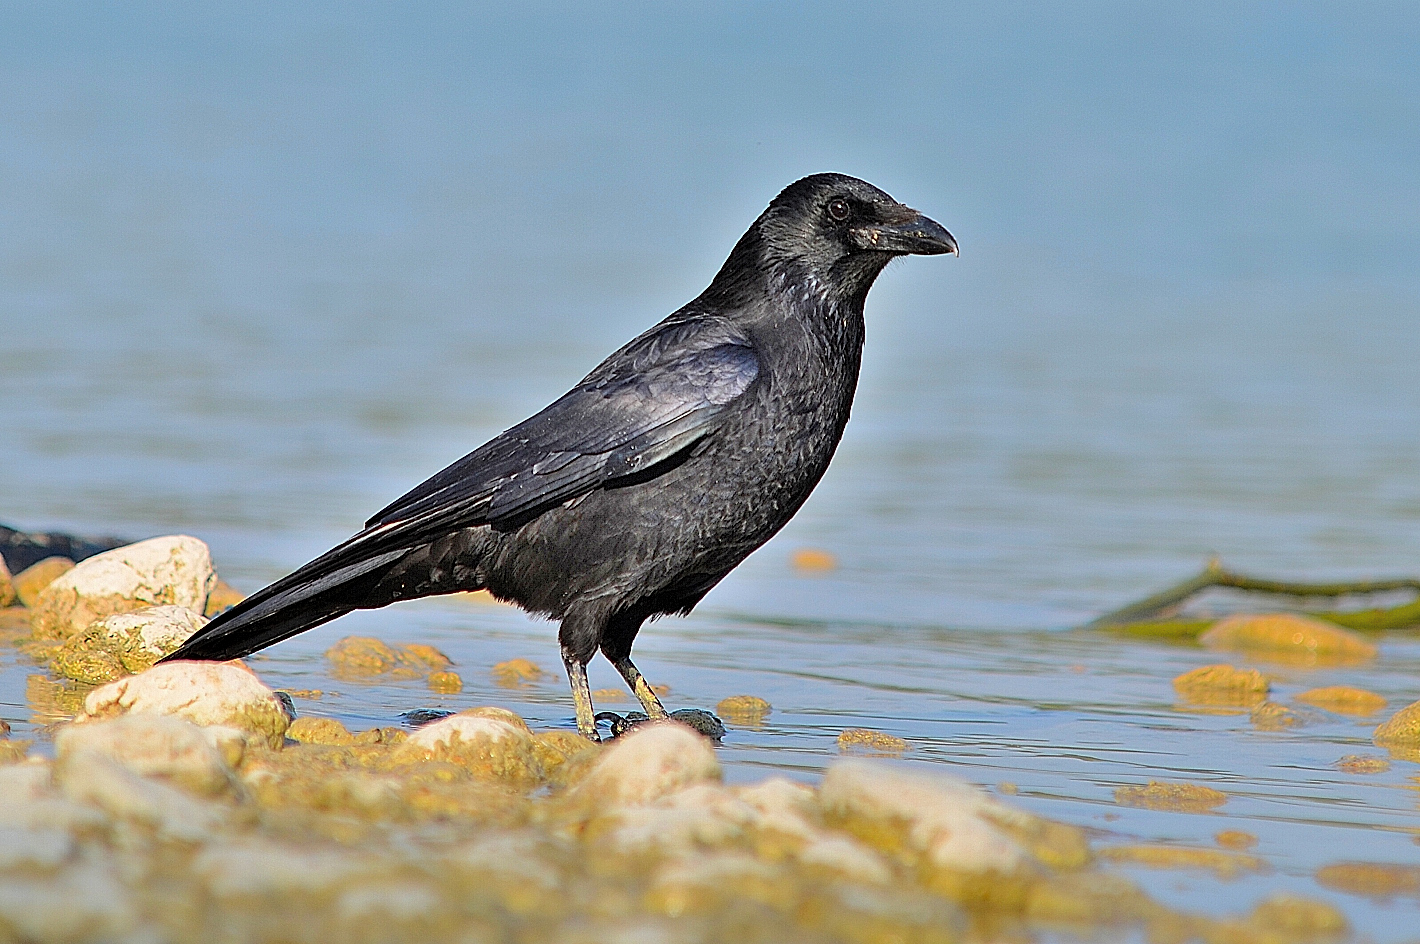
918 236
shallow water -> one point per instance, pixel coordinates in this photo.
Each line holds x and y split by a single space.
264 271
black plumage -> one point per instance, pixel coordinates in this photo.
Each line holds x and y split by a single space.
645 484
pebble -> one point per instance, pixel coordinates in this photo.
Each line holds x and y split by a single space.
1222 686
1372 879
205 693
813 560
1362 764
1178 797
1401 732
871 742
1343 700
445 683
1270 716
1235 839
745 710
515 673
168 570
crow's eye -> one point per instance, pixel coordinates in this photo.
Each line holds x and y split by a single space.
838 209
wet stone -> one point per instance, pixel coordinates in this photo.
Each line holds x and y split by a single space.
125 643
445 683
1235 839
1342 699
1289 638
747 711
1401 732
364 657
1372 879
1222 686
205 693
515 673
1177 797
200 760
1363 764
865 741
1270 716
1224 864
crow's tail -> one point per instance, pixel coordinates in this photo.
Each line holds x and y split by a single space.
315 594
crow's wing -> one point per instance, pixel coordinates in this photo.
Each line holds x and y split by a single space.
651 400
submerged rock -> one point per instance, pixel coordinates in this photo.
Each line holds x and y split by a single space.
515 673
205 693
1179 797
748 711
1343 699
1222 686
1222 863
168 570
1290 638
871 742
364 657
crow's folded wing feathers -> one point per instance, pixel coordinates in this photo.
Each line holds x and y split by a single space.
656 397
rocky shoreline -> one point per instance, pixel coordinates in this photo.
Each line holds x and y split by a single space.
186 802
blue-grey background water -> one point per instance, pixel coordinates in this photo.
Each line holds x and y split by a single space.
262 269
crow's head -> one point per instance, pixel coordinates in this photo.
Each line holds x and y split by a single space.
844 230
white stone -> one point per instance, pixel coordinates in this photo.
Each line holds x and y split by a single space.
40 850
952 822
83 903
704 814
261 869
173 570
650 762
851 859
151 632
159 746
205 693
92 778
463 728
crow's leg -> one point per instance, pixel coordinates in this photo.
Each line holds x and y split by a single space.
620 632
581 695
641 688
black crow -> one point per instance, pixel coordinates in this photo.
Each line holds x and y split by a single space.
644 485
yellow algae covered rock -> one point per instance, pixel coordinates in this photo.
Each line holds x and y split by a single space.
1362 764
647 763
1178 797
1343 700
12 752
223 596
1222 863
168 570
1270 716
205 693
1401 733
7 586
319 731
745 710
125 643
14 624
1291 919
31 581
492 743
608 694
870 742
948 823
1290 638
445 683
516 673
1235 839
1372 879
363 657
198 759
1222 686
563 755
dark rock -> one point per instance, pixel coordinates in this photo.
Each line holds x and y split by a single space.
23 548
